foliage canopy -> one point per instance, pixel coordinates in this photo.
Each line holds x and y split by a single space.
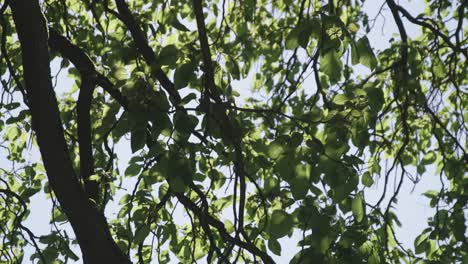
254 120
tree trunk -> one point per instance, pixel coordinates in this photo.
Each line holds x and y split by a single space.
89 225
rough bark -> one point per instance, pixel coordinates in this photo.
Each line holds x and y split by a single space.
88 223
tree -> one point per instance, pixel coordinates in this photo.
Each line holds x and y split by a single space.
297 154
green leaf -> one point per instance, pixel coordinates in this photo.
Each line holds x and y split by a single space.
374 258
300 183
281 224
299 188
330 64
285 167
138 139
133 169
50 254
120 73
366 248
163 190
183 74
168 55
300 35
152 176
12 106
275 150
324 244
292 40
363 53
176 24
340 99
160 102
59 216
233 69
367 179
274 246
177 171
12 133
177 184
307 256
156 150
141 234
357 207
431 194
420 244
459 226
69 253
184 122
95 177
271 184
376 98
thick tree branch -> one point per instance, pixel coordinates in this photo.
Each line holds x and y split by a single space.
88 79
84 64
84 135
89 224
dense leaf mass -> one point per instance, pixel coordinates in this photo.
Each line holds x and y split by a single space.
227 131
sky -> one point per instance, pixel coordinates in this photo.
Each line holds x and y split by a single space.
413 209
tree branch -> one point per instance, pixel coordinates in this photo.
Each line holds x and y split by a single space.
84 136
205 49
208 219
89 224
148 54
84 64
423 24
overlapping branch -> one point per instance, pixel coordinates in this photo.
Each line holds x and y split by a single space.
148 54
85 65
89 224
218 225
397 8
88 81
143 47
